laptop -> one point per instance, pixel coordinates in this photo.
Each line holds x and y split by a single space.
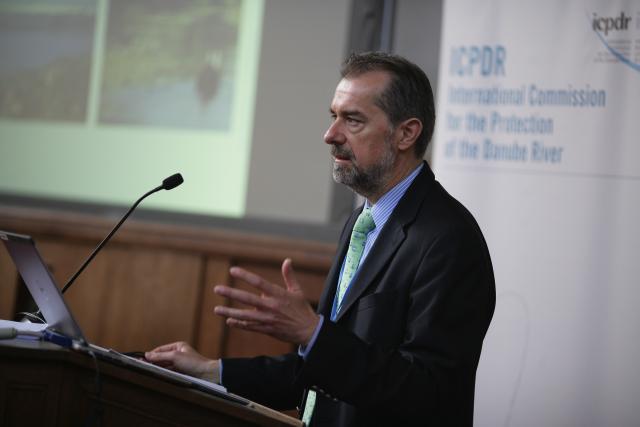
62 327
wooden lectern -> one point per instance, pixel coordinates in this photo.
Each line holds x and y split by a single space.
42 385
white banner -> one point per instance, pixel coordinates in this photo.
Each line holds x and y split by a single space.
538 134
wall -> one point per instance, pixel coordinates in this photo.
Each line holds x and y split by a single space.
302 47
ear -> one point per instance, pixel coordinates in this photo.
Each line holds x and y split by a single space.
407 133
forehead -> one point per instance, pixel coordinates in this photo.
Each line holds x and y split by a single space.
360 92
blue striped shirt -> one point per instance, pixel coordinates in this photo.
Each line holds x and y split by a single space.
382 210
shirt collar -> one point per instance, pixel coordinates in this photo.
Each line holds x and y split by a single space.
382 209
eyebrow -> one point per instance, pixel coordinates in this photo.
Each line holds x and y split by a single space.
348 113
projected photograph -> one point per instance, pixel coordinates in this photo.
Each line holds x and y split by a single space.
170 63
45 59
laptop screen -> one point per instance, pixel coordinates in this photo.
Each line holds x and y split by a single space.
41 284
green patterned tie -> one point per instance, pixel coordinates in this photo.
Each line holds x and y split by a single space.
364 225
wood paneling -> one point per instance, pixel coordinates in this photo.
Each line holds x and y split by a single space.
45 385
8 285
40 223
210 331
31 396
153 283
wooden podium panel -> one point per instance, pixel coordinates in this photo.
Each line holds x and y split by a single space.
44 385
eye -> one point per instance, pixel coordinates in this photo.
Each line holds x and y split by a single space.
353 121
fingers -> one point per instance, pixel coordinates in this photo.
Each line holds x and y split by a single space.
289 276
250 326
165 359
259 283
168 347
167 355
255 281
243 314
278 311
153 356
243 297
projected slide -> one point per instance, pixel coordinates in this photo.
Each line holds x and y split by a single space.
46 60
101 99
173 66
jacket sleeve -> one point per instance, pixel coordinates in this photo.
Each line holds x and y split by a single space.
265 380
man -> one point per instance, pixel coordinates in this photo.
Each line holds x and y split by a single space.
409 298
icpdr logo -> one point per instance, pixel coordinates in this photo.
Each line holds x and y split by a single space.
603 25
606 24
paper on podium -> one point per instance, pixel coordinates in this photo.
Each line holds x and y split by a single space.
25 329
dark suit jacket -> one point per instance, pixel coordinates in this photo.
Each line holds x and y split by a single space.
405 347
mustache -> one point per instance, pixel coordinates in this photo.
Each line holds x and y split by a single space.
341 151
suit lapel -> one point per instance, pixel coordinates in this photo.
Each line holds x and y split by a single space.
387 242
384 248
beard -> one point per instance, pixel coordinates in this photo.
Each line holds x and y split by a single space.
366 181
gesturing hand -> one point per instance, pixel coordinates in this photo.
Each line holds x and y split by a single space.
283 313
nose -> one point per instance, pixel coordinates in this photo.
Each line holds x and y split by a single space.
334 135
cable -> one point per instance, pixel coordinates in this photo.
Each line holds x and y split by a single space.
95 416
33 316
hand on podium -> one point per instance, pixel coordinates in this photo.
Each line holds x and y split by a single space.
181 357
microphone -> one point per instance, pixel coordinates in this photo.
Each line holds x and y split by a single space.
167 184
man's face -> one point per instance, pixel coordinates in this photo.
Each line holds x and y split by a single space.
360 135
